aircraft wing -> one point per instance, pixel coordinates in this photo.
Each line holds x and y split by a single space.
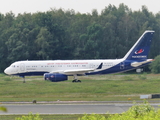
78 71
136 64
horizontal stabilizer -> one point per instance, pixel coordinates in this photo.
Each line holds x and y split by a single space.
136 64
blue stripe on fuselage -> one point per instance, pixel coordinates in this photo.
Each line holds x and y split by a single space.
31 73
117 68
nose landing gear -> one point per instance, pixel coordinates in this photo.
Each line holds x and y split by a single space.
23 79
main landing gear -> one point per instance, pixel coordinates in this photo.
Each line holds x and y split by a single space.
75 79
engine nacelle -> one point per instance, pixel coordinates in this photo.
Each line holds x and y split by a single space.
55 77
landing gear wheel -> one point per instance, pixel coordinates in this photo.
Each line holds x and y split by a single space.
79 81
76 80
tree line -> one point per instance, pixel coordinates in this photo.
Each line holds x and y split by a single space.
66 34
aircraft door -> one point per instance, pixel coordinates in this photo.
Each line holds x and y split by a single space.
22 67
122 65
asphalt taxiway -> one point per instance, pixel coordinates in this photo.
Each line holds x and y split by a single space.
80 108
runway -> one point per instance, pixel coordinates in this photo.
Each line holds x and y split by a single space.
66 108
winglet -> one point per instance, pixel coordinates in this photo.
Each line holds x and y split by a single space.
100 66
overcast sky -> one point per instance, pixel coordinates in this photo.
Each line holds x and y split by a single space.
83 6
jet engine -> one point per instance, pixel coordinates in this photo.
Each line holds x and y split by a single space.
55 77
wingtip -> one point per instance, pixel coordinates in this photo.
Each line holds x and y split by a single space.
100 66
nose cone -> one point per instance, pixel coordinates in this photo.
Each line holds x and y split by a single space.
7 71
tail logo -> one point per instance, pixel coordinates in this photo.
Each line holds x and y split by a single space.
139 51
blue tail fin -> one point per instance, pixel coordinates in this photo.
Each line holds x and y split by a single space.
141 48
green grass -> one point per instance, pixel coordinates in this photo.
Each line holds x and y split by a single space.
93 88
45 117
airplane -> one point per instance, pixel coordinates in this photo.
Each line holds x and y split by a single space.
59 70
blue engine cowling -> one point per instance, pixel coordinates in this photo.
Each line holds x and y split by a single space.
55 77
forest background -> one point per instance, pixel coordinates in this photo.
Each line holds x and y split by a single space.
65 34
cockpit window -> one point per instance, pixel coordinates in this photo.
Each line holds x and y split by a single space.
13 66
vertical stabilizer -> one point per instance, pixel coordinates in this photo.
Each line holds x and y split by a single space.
141 48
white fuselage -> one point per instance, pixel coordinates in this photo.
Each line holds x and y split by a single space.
59 66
